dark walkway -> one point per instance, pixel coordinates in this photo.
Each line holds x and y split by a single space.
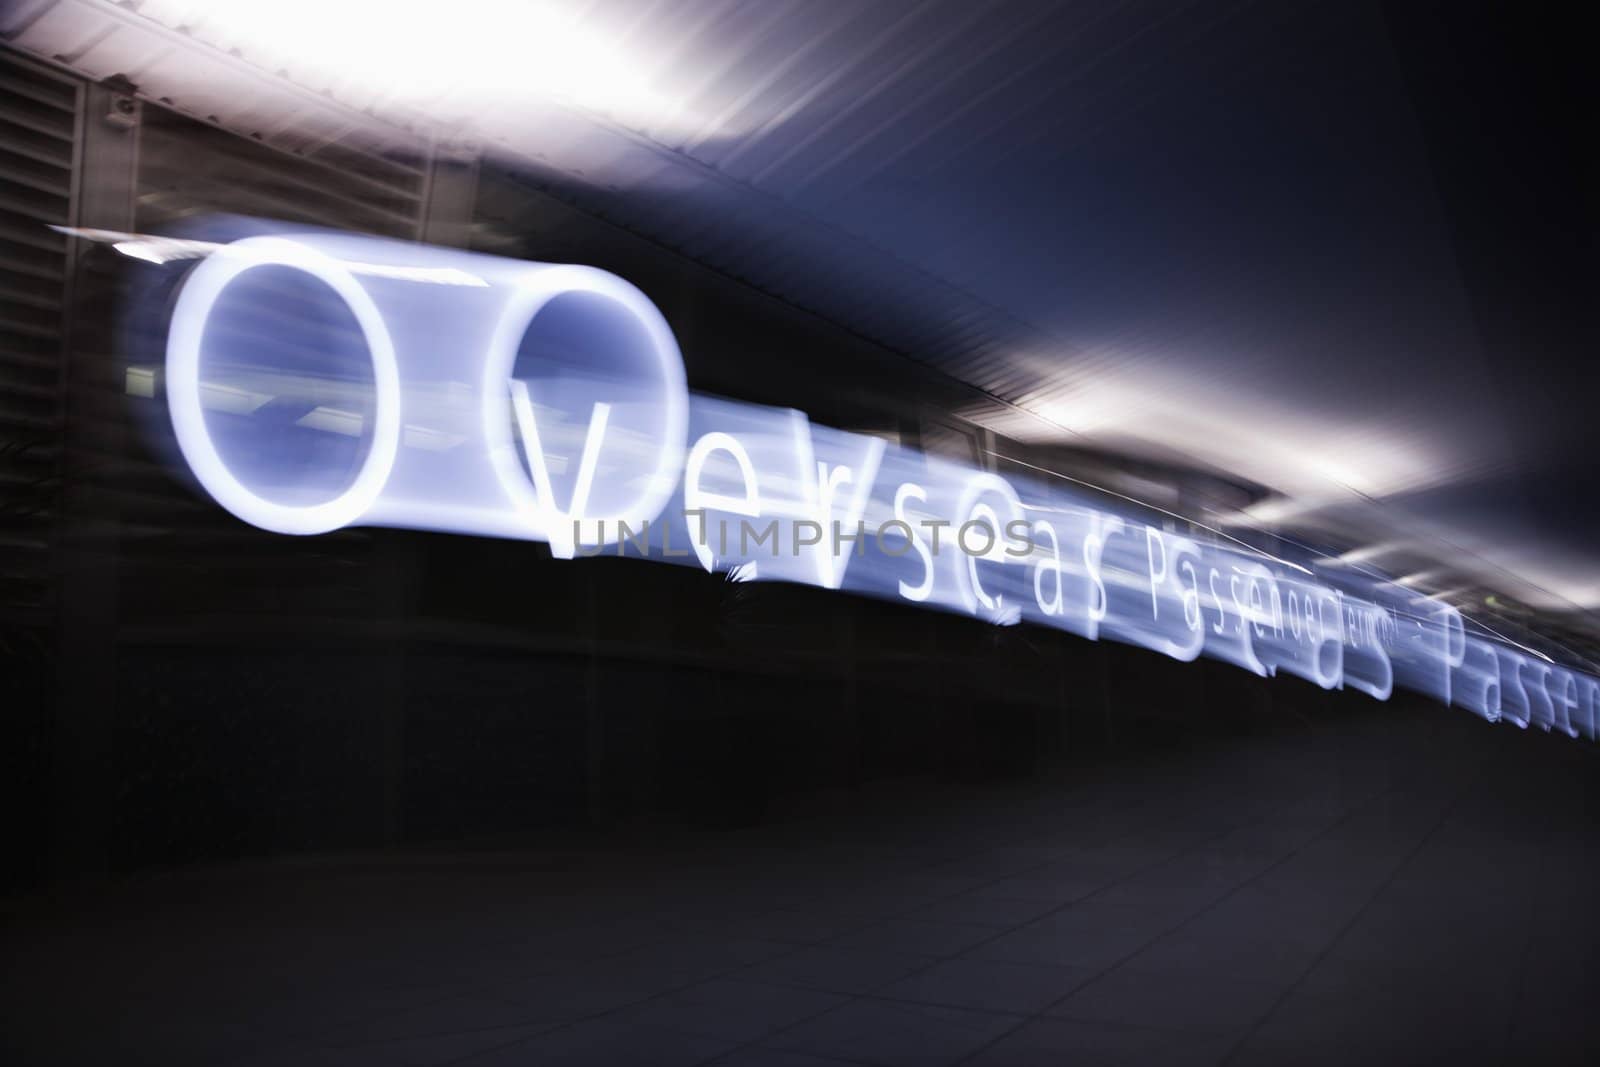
1404 887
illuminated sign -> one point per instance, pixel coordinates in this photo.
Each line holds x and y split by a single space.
317 381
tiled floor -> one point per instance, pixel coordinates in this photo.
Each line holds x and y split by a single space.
1405 888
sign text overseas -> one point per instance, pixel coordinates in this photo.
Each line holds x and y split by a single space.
320 380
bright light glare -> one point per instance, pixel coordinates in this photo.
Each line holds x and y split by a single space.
464 54
1367 553
1299 452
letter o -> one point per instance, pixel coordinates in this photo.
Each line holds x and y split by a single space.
961 538
533 292
905 532
185 344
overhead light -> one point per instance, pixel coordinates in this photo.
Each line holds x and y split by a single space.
1366 553
465 57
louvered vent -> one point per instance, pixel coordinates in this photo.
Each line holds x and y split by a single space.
38 124
189 168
